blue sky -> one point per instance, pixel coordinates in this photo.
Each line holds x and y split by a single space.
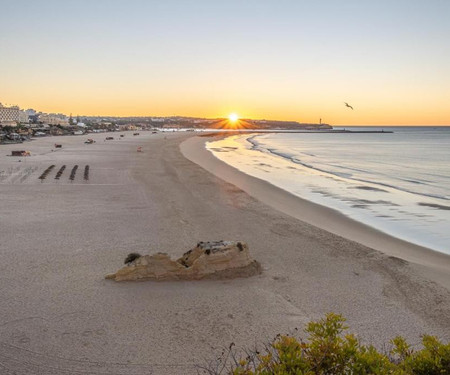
294 60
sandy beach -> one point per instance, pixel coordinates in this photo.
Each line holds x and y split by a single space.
59 238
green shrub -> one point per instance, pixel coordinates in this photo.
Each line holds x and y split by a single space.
328 351
131 258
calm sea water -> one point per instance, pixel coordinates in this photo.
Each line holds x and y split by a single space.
398 183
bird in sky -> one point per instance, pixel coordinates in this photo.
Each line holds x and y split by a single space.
348 105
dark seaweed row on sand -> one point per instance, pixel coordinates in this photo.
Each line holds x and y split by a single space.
60 172
46 172
73 173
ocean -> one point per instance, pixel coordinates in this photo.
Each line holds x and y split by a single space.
397 182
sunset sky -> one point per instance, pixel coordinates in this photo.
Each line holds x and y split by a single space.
286 60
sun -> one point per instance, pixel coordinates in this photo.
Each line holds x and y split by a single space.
233 117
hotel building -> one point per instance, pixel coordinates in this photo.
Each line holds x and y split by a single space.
9 115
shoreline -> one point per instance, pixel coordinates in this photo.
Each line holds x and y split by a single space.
437 264
60 237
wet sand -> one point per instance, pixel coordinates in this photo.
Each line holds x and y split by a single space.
434 264
59 238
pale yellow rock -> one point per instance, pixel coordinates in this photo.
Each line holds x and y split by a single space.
221 259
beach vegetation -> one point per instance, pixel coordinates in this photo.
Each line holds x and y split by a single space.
131 258
330 350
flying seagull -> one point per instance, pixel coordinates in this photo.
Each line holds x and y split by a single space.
348 105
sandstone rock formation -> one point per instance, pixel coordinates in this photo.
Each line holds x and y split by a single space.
211 260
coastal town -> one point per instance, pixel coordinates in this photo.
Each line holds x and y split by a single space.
18 125
224 187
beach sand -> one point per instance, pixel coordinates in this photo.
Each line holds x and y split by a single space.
58 239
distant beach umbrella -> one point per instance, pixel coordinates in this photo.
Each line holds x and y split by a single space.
348 105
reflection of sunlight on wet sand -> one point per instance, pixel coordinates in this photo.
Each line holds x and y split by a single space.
228 142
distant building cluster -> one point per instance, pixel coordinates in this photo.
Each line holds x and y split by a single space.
13 116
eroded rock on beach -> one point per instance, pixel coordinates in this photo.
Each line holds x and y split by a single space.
208 260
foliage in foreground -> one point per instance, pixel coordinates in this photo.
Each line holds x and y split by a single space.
328 351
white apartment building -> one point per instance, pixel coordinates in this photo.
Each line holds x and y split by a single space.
12 115
23 117
9 115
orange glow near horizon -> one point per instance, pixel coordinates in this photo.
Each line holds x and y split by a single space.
238 124
373 110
